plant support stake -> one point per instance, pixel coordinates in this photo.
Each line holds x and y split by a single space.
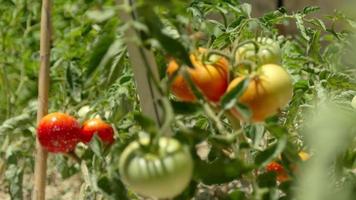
39 192
139 58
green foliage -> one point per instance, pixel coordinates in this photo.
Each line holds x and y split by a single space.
91 75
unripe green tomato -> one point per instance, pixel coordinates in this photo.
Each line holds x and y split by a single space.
162 174
353 102
269 52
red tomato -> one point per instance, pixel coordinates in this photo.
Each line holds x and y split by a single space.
98 126
282 174
58 132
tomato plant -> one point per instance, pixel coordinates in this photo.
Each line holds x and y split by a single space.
264 86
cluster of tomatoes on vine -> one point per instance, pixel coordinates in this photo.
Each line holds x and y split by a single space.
160 166
60 133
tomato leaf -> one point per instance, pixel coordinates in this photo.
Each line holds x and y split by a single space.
99 50
219 171
267 179
185 108
230 98
155 26
146 123
266 156
96 146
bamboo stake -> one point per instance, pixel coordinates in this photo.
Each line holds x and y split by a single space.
39 192
139 58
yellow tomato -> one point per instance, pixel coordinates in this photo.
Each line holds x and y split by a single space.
269 91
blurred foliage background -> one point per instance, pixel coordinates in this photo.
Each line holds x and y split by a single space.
91 75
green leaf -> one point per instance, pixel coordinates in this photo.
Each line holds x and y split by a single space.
96 146
266 156
113 187
185 108
146 123
267 179
230 98
155 26
98 52
219 171
236 195
14 177
301 27
277 130
310 9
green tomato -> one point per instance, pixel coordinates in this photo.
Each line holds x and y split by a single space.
161 174
269 52
353 102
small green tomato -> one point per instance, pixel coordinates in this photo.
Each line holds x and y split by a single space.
161 174
269 52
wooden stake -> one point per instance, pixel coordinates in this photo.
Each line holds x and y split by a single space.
39 192
139 58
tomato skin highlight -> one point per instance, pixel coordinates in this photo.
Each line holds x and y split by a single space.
162 174
266 93
211 79
97 126
58 132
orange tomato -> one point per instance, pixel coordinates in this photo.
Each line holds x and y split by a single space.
268 91
210 78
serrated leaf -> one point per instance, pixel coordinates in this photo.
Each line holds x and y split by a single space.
301 27
310 9
230 98
266 156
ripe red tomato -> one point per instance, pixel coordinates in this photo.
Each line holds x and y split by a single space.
163 173
98 126
211 79
269 91
58 132
282 174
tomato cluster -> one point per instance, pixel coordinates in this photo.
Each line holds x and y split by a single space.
60 133
270 87
281 172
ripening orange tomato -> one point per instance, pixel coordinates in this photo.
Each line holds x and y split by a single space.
211 78
269 91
